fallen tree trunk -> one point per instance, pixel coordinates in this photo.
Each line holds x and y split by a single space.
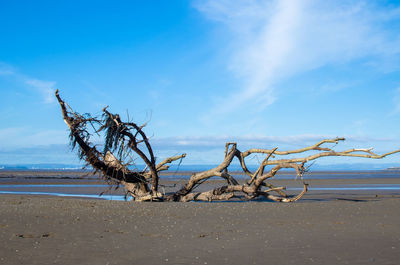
124 140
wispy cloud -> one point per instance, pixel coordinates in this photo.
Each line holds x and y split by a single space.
274 40
45 88
210 149
54 153
396 101
14 137
50 146
254 141
6 69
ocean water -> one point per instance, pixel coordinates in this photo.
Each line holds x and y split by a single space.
75 195
72 192
74 184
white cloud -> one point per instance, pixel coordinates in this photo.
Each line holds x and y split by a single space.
273 40
6 69
396 101
254 141
28 137
210 149
45 154
50 146
45 88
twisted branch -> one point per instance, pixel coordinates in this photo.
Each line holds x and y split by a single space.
129 138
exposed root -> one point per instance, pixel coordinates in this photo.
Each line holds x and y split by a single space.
124 142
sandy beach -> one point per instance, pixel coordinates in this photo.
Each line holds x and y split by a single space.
326 227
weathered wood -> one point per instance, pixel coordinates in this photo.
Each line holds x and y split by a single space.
127 139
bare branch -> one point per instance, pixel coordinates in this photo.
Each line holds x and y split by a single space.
168 161
129 140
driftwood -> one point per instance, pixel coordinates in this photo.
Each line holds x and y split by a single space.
127 140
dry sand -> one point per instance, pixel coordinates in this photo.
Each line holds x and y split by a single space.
350 228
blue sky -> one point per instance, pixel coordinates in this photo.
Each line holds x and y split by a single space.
262 73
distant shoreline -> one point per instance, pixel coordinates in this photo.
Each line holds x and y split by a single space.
57 183
80 174
201 167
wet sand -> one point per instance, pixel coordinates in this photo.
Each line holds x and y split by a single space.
43 230
77 182
325 227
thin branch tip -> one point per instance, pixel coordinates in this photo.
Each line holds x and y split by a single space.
126 142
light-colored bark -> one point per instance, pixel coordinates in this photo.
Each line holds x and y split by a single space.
130 139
